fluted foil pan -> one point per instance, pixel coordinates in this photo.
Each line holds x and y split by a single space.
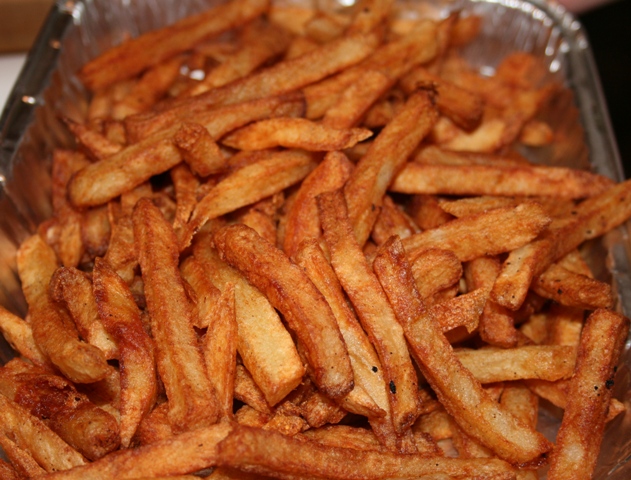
76 31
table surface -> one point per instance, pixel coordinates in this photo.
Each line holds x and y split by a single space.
10 66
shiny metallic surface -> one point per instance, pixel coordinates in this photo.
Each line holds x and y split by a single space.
75 31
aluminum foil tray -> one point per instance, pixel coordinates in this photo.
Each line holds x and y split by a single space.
76 31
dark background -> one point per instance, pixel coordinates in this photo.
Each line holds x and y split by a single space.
609 31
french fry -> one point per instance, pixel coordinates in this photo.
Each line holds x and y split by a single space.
23 465
199 150
246 391
133 56
265 346
294 295
294 133
426 212
434 270
490 233
32 435
220 350
392 221
372 175
19 335
283 77
372 308
302 222
73 289
476 413
275 172
260 451
121 319
206 294
589 393
52 331
368 396
176 455
179 360
96 143
95 231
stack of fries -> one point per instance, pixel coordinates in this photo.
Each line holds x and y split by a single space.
297 244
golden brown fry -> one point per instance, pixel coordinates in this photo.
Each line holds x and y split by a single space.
372 308
369 14
199 150
205 295
52 330
260 451
95 231
175 455
490 233
121 319
281 78
294 133
95 142
179 360
275 172
32 435
294 295
456 388
73 289
368 183
23 465
220 350
426 212
19 334
133 56
246 391
265 346
302 221
526 180
392 220
434 270
589 392
368 396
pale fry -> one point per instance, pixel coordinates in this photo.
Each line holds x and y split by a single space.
132 57
372 308
265 346
179 360
19 335
294 133
294 295
23 465
589 393
461 395
386 155
121 319
52 331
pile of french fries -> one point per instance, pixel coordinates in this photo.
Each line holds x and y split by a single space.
302 244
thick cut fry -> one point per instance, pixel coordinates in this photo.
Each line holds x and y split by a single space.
526 180
19 335
33 436
368 396
459 392
95 142
220 350
121 319
294 295
372 308
185 453
392 221
264 452
294 133
497 231
73 289
365 189
589 393
275 172
283 77
434 270
133 56
206 294
248 392
265 346
543 362
23 465
180 363
104 180
52 330
302 221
